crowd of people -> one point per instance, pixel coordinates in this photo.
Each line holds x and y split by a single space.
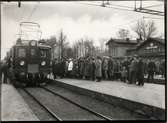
130 70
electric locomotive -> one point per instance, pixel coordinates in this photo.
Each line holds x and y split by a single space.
31 61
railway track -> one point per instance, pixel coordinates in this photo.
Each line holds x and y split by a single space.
57 116
82 107
45 107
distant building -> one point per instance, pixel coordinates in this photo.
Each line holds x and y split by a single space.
152 47
117 48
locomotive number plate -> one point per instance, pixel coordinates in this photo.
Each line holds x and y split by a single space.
33 68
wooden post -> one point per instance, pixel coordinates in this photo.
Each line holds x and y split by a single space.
0 31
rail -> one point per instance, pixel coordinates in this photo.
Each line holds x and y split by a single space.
82 107
45 107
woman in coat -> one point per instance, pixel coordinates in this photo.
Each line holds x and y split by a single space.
98 69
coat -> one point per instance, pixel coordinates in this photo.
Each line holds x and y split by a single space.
140 70
92 69
98 69
70 66
105 65
133 66
151 67
87 68
81 67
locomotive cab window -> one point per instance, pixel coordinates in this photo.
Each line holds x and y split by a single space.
33 52
21 52
43 53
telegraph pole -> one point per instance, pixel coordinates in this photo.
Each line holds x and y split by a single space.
0 31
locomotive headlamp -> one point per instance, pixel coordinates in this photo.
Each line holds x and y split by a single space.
33 43
22 63
43 63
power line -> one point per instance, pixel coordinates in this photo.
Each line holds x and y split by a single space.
33 11
154 5
103 5
139 10
154 18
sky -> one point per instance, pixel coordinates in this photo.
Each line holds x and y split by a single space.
76 19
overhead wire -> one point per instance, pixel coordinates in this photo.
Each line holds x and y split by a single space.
33 11
106 6
154 5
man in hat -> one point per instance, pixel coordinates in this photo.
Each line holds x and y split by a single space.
110 68
98 69
151 70
4 70
133 70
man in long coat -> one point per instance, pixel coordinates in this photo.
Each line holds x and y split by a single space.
82 65
105 68
110 68
133 70
151 71
92 69
140 72
54 67
98 70
87 69
4 70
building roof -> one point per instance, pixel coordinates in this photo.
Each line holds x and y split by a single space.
123 41
161 41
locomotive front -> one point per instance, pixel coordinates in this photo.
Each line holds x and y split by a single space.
32 62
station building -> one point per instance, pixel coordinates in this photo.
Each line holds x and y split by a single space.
150 48
117 48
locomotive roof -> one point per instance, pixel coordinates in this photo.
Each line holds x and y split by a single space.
39 45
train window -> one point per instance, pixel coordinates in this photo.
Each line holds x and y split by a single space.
32 52
21 52
43 53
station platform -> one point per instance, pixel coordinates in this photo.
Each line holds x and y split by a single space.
13 106
148 99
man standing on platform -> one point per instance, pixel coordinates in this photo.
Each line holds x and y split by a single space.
140 72
92 69
4 70
0 71
54 63
105 68
110 68
133 70
151 70
98 70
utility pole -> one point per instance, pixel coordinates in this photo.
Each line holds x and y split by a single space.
0 31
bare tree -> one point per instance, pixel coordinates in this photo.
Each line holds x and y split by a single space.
83 47
145 29
123 33
102 44
62 43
